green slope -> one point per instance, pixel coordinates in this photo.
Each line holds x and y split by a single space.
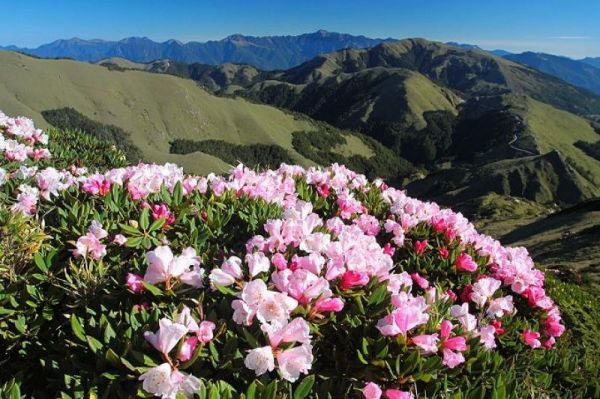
154 108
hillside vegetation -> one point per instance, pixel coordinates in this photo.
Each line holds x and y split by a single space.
155 109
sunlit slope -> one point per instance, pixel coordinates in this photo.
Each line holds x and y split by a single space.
554 129
155 108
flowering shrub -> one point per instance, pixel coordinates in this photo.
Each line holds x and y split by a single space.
281 283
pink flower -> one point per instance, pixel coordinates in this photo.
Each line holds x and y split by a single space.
372 391
353 279
205 331
242 313
497 324
323 190
134 283
443 252
420 247
401 320
229 273
167 337
161 211
275 307
97 230
464 262
328 305
452 359
257 263
187 348
397 394
428 343
486 336
452 295
549 343
296 330
484 289
451 347
279 261
501 306
96 185
536 296
89 245
531 338
389 250
420 280
165 382
120 240
293 362
260 360
552 326
162 265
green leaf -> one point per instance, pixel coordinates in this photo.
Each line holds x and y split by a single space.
145 219
251 391
270 391
129 230
15 392
250 338
378 295
303 389
77 328
134 242
154 290
94 344
40 263
157 224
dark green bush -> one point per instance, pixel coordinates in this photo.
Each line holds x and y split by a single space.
263 155
70 118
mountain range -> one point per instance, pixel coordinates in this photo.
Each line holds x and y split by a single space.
268 52
284 52
471 122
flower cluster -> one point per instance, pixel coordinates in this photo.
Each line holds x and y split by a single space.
166 380
430 283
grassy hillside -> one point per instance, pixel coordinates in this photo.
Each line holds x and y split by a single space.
554 129
154 108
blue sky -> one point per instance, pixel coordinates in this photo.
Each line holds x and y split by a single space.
556 26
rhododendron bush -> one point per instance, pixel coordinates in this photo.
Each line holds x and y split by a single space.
259 284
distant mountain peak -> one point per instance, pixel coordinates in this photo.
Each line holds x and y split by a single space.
267 52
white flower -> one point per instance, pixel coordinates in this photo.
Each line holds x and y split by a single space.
97 230
315 242
257 263
293 362
484 289
242 313
276 307
168 335
157 381
501 306
167 383
254 292
260 360
486 336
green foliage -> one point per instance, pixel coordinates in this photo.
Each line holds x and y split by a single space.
74 147
70 118
20 239
68 324
253 155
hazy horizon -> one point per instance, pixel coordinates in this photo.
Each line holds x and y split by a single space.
555 27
